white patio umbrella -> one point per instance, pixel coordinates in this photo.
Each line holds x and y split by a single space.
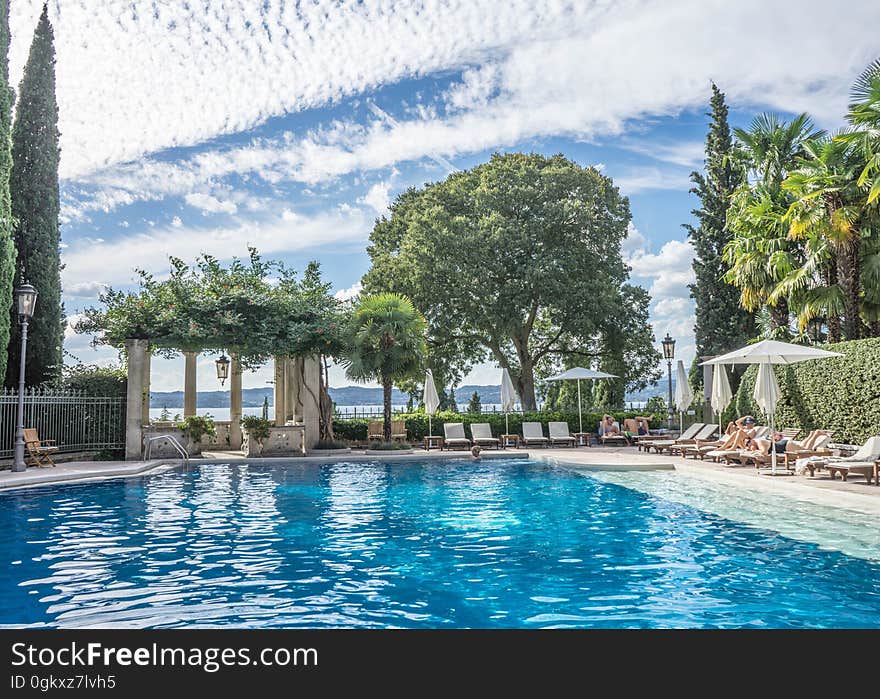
765 353
721 393
430 397
581 373
683 394
508 397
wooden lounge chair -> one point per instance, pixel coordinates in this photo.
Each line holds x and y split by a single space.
619 438
814 444
686 436
631 429
39 450
867 454
454 436
679 445
533 433
481 433
559 433
376 430
398 430
717 452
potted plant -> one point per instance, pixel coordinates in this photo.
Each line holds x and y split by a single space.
194 427
256 430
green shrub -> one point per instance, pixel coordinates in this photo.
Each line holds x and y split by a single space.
355 429
256 427
331 444
390 446
840 394
94 380
196 426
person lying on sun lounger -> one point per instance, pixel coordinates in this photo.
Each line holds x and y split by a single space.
609 427
763 445
744 422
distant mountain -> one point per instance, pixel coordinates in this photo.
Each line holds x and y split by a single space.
361 395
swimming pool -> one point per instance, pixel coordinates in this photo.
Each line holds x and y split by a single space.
441 544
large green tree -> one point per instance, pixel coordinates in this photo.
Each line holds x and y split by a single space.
387 343
35 205
720 323
518 259
7 244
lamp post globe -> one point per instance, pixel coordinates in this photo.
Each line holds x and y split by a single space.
25 304
668 344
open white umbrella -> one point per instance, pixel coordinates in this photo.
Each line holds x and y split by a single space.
765 353
683 394
430 397
508 397
581 373
721 393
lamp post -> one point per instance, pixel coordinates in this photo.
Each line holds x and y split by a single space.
222 364
669 354
25 300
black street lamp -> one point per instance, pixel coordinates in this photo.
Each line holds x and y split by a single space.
222 368
25 301
669 354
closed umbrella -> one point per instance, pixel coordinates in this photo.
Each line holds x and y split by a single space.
581 373
430 397
721 393
683 394
508 397
766 353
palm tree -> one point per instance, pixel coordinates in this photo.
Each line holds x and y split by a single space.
387 340
828 204
864 116
759 253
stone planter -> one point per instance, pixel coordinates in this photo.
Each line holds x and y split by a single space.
163 448
282 441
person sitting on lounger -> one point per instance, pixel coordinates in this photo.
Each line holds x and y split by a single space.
642 422
779 442
745 422
609 427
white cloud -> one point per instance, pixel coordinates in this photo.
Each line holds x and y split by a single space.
378 197
209 204
634 242
349 293
72 320
176 222
640 179
688 154
85 261
84 289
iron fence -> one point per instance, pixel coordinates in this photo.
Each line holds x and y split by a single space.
77 422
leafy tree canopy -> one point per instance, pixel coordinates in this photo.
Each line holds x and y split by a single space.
255 308
519 259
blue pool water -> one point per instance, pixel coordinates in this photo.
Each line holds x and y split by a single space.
455 544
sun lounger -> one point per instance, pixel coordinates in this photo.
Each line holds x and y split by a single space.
618 438
559 433
482 435
677 445
533 433
868 469
685 436
454 436
39 450
814 444
715 451
868 453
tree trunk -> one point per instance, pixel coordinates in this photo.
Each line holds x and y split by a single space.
779 315
325 404
848 277
832 320
875 328
386 397
526 386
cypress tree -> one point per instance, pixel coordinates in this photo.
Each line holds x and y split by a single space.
721 325
7 245
34 188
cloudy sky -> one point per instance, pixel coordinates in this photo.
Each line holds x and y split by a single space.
206 126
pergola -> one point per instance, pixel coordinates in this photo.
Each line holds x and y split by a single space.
296 397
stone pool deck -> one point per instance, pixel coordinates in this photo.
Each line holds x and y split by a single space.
856 493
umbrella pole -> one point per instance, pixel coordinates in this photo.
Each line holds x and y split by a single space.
772 426
430 431
580 413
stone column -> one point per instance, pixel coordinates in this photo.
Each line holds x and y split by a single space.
134 399
146 386
235 403
190 383
310 395
280 390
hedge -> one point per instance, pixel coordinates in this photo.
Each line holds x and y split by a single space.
355 429
840 394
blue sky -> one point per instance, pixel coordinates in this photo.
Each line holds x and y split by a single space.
190 128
